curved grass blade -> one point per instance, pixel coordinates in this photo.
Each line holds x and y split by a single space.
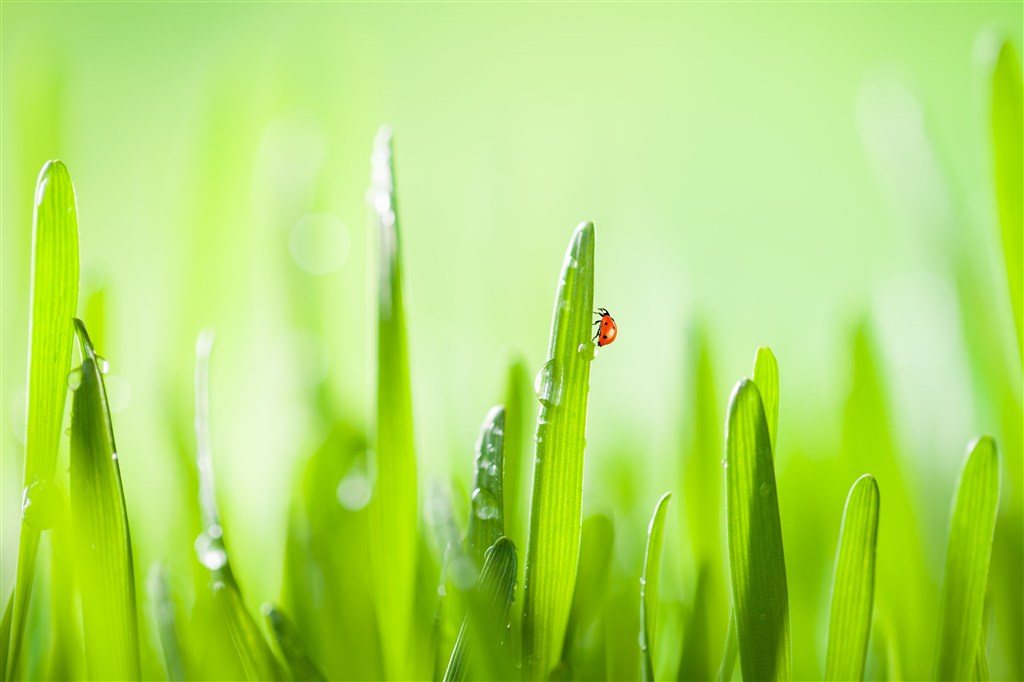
556 506
487 507
486 624
1007 113
649 586
166 617
757 561
103 545
53 298
725 670
853 589
253 652
393 509
290 644
968 552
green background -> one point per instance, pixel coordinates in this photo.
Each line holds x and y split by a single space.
780 173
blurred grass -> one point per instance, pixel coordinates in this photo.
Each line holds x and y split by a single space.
261 126
649 586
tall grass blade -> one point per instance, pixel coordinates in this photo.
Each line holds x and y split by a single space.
757 561
487 505
516 396
597 538
702 500
393 509
1007 114
289 642
968 552
556 506
725 669
53 296
853 589
483 637
649 586
252 650
103 545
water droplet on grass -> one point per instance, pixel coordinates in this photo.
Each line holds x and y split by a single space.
75 378
102 364
210 549
41 505
484 505
548 384
725 463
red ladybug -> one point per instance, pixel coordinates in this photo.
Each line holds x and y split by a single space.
608 330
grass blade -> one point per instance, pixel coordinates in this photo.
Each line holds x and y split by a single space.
757 561
166 616
1007 113
103 545
853 590
649 586
725 670
968 552
556 505
766 376
290 644
597 538
54 296
487 514
252 650
516 397
393 509
487 620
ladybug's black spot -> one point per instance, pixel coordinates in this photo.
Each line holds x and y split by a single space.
604 336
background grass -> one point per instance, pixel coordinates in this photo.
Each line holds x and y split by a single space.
816 178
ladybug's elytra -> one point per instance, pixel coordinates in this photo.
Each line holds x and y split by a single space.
608 330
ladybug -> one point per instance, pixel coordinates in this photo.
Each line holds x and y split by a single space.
608 330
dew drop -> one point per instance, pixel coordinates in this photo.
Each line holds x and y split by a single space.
75 378
485 507
492 469
41 505
355 490
766 489
102 364
548 384
210 549
725 463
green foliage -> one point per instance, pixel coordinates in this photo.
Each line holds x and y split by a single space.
853 588
53 298
487 513
597 538
1007 111
393 511
968 552
290 644
562 386
757 562
649 586
766 376
103 544
482 645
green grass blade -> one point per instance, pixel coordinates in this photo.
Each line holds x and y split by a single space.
486 624
757 561
649 586
103 546
981 670
487 507
968 552
166 616
54 296
517 395
252 650
597 538
289 642
1007 114
556 505
766 376
853 588
393 509
731 650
